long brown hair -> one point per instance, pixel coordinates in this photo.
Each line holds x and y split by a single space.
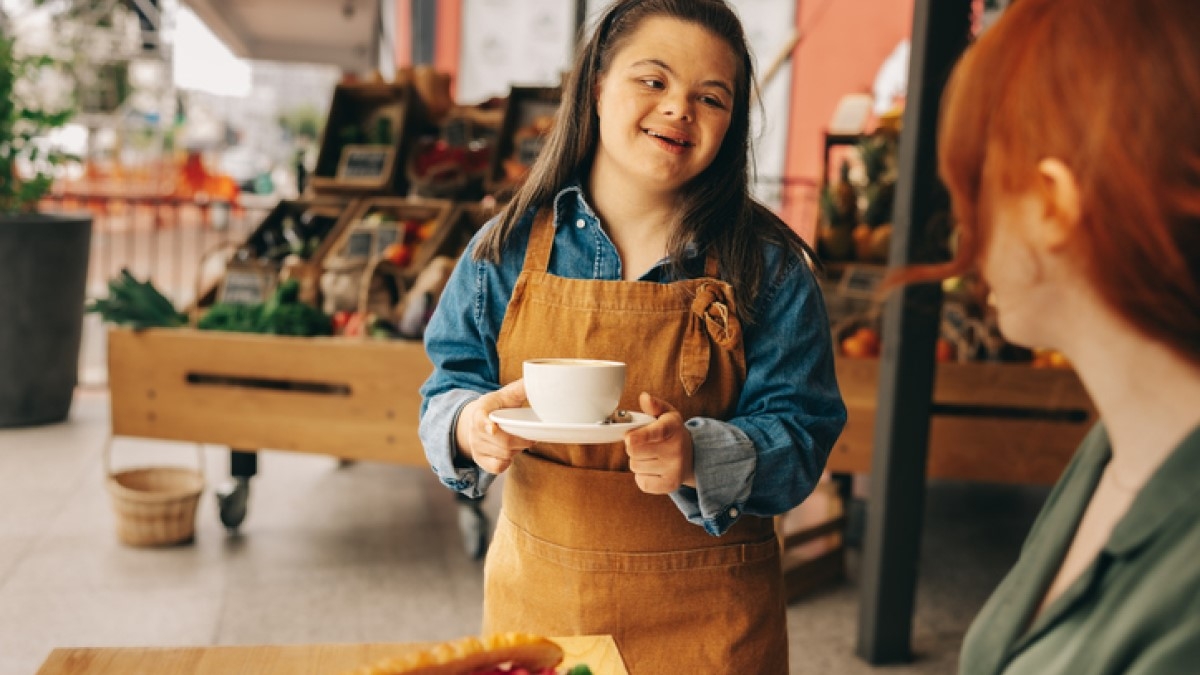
715 208
1109 88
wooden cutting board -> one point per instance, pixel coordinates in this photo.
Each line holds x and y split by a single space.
599 652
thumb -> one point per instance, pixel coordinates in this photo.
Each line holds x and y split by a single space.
511 395
653 407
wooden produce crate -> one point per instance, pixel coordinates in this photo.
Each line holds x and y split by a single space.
322 216
355 239
350 399
367 137
991 422
528 114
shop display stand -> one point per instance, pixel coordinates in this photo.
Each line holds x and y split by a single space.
354 399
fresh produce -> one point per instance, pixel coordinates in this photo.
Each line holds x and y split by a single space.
281 314
137 304
863 343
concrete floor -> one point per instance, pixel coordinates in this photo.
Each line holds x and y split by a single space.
363 552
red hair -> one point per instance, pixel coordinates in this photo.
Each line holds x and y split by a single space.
1111 89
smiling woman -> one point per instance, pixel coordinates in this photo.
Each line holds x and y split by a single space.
634 239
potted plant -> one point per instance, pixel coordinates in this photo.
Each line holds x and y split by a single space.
43 257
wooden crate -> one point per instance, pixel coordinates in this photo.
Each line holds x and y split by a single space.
440 242
346 398
993 422
332 209
523 107
365 104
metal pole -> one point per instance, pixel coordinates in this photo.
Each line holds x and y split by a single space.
895 508
424 31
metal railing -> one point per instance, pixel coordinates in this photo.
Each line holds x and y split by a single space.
157 237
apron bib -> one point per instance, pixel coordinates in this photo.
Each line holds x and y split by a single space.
579 549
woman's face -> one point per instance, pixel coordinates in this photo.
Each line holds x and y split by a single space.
665 103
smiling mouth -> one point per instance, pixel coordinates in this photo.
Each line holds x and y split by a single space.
678 142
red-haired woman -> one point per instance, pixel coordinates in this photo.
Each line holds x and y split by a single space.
1070 145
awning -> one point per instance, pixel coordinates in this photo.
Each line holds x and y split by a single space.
343 33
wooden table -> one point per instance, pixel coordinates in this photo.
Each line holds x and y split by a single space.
599 652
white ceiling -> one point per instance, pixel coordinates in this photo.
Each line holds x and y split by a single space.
343 33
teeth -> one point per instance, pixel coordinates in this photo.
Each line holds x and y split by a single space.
673 141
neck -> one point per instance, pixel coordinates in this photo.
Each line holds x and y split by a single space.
1145 393
637 219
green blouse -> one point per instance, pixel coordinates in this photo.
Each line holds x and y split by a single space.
1134 610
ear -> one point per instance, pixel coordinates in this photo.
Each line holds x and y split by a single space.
1060 200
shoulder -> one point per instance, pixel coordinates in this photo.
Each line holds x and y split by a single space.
788 264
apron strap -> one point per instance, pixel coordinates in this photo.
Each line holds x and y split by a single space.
541 241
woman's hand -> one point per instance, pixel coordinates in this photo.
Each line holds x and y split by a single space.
660 453
490 447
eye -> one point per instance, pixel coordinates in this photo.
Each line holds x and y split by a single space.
653 83
712 101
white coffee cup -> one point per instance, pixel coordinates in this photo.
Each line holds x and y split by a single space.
574 391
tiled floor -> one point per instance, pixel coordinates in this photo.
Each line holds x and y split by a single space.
364 552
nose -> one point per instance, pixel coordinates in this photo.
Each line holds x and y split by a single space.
677 105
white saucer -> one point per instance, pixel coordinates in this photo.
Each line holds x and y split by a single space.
524 423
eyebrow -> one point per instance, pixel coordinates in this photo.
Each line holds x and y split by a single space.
721 84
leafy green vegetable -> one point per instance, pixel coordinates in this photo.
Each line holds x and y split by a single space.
281 314
136 304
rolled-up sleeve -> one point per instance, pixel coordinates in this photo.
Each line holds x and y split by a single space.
769 456
464 368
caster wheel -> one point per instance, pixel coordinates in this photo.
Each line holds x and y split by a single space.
232 500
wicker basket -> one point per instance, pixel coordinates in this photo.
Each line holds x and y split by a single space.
154 506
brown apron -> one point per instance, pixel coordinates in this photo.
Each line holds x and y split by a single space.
579 549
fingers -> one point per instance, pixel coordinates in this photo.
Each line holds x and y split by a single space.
660 453
653 407
655 485
667 425
489 446
511 395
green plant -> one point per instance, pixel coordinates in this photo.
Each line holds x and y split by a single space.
23 125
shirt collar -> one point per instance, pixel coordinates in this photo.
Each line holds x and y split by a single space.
1172 490
571 201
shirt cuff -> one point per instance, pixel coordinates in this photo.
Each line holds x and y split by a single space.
724 460
438 438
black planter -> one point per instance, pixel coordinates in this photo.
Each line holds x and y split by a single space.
43 279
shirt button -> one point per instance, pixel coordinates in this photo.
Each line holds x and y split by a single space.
581 223
733 512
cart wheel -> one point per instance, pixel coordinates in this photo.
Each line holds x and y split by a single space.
232 499
473 527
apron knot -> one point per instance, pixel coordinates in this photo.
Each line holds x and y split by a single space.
713 320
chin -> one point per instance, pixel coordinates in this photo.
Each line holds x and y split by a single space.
1021 331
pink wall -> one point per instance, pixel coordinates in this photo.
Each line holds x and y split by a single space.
846 42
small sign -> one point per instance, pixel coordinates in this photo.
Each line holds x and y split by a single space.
247 283
359 243
386 235
366 164
370 241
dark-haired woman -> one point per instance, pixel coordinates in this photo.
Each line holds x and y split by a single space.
635 239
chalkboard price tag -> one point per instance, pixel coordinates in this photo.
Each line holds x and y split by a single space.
366 164
247 283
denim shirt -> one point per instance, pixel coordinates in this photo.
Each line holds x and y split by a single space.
763 461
